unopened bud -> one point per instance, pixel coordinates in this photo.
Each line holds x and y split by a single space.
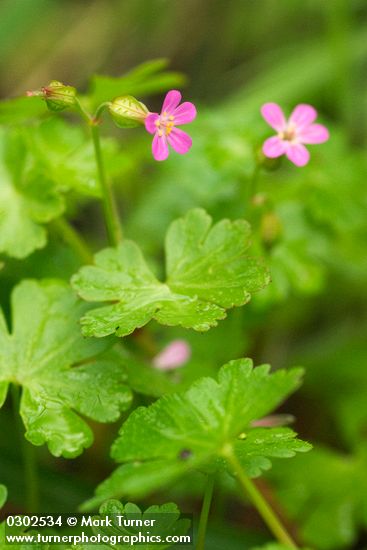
127 111
271 228
259 199
57 95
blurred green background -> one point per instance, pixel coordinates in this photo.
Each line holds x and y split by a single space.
220 45
310 224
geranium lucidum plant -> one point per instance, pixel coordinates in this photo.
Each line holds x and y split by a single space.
62 352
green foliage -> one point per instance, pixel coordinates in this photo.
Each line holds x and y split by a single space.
28 198
326 485
208 271
147 78
342 350
197 429
61 374
166 522
38 164
273 546
260 443
308 225
20 110
65 153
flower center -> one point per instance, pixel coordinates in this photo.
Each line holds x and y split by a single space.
289 134
165 124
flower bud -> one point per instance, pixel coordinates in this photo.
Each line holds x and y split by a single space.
127 111
271 228
58 96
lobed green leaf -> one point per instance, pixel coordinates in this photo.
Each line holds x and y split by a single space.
208 271
62 375
196 428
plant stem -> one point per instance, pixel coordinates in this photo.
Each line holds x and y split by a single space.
253 182
205 509
272 521
100 110
28 456
109 205
74 240
248 191
84 114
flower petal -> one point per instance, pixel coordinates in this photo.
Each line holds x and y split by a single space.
150 123
179 141
303 115
298 154
314 133
160 147
171 101
274 116
274 147
185 113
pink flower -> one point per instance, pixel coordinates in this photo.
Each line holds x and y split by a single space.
293 133
175 355
164 126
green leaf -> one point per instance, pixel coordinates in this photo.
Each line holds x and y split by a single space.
208 272
61 373
261 443
164 521
3 495
150 77
28 198
196 429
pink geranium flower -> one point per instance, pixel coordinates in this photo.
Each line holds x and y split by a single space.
292 134
173 356
164 126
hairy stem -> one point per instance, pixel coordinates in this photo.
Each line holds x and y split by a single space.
109 205
272 521
28 457
69 235
205 509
